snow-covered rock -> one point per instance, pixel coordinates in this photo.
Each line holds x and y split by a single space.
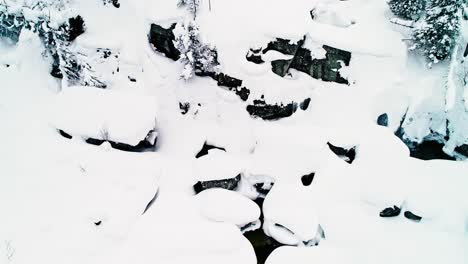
222 205
106 115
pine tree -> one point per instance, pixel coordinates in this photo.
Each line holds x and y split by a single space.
195 55
437 34
407 9
191 5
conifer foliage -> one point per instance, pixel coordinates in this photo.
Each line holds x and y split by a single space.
407 9
438 33
196 56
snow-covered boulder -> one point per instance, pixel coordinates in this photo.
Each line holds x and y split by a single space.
218 169
222 205
125 120
290 216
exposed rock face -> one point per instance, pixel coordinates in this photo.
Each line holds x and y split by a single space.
162 40
307 179
140 147
409 215
233 84
390 211
228 184
382 120
428 150
325 69
463 150
206 148
347 155
275 111
148 143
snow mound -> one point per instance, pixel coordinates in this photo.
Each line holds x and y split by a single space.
222 205
104 114
217 165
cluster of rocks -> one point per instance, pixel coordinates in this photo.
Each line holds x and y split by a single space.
325 69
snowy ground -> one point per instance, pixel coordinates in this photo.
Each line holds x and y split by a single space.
65 201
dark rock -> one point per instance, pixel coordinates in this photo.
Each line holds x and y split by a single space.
284 46
243 93
227 81
233 84
131 79
162 40
409 215
307 179
271 112
151 202
382 120
347 155
206 148
76 27
463 150
304 104
115 3
184 108
428 150
260 187
326 69
228 184
64 134
254 56
98 223
390 211
281 67
142 146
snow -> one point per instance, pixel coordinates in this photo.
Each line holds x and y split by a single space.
217 165
222 205
109 115
55 191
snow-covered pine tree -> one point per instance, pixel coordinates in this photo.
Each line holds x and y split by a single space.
437 34
195 55
191 5
407 9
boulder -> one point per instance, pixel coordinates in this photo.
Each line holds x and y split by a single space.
390 211
346 154
228 184
325 69
382 120
162 40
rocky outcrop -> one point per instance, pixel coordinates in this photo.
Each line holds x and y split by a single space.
409 215
307 179
142 146
228 184
325 69
382 120
206 147
266 111
146 144
390 211
162 40
233 84
346 154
